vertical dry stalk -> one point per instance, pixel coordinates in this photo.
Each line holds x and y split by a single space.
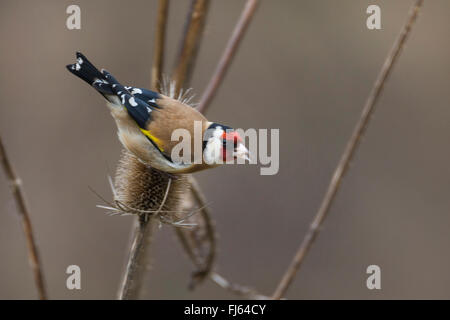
19 197
193 247
160 36
348 154
138 259
227 56
190 43
195 239
182 74
143 230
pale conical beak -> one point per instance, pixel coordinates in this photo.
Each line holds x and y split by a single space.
241 152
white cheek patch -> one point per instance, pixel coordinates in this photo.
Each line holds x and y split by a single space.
241 153
213 149
212 153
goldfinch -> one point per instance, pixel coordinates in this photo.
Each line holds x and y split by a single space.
146 120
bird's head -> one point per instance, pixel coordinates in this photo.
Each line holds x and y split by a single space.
222 144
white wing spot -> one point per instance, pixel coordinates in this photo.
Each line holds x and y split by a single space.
136 90
79 60
149 110
132 102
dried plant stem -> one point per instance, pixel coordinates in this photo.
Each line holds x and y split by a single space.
224 64
347 156
190 43
19 197
201 201
138 259
193 248
208 265
160 36
227 56
235 288
214 84
182 76
139 253
143 229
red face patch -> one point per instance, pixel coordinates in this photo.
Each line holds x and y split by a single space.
231 138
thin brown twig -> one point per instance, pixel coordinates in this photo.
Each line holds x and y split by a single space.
190 43
158 51
138 259
235 288
227 56
208 265
348 154
24 213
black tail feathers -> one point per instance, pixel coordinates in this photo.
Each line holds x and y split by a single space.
85 70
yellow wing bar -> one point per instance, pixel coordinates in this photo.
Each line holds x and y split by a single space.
153 138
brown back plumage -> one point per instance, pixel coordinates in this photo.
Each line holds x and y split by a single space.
174 115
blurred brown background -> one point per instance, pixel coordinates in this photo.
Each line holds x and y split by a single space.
305 67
